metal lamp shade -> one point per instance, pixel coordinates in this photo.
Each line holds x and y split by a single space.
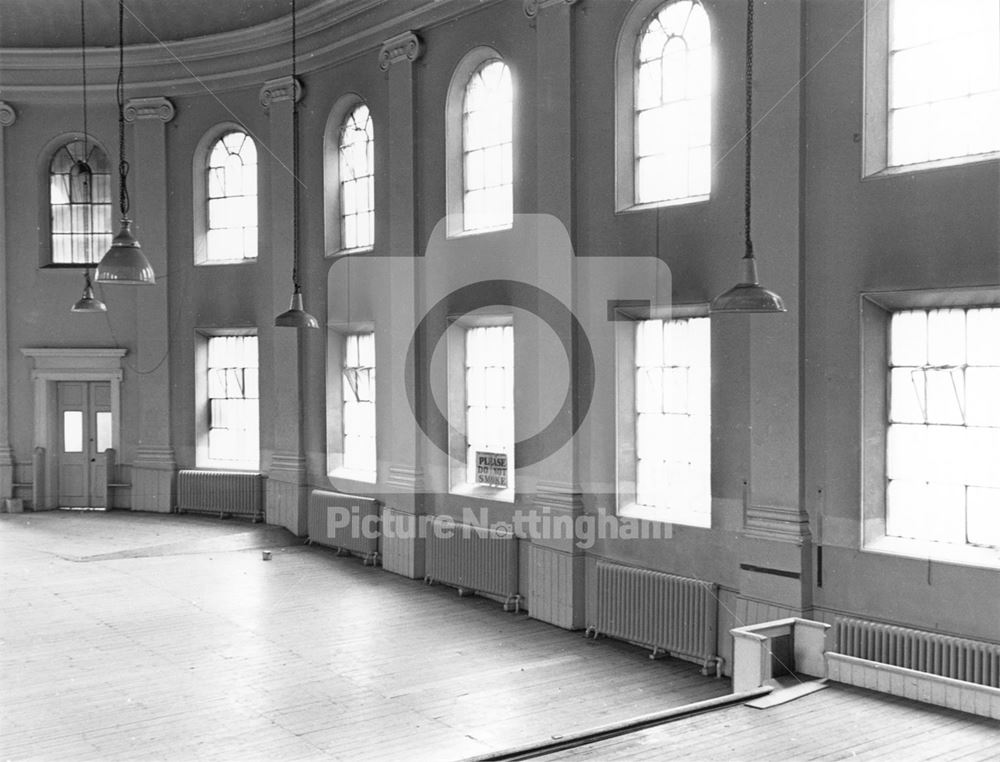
295 316
124 262
88 302
748 295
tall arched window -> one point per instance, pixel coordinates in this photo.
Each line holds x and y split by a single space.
487 148
79 203
664 120
231 183
357 180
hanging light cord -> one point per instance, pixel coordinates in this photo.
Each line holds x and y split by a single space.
749 131
123 200
295 168
83 53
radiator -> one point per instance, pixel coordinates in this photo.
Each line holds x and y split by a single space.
227 493
960 659
667 613
473 559
349 523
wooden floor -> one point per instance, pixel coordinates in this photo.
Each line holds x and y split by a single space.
128 636
840 722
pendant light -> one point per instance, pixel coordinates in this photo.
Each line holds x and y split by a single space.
295 316
748 295
124 262
80 182
88 302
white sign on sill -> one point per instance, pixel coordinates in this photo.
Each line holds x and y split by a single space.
491 468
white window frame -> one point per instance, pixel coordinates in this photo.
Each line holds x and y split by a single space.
626 464
876 311
625 82
457 405
875 133
333 236
202 459
455 143
199 185
336 341
44 163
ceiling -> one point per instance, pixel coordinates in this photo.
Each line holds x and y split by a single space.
56 23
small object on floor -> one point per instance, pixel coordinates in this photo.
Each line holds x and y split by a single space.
782 695
266 555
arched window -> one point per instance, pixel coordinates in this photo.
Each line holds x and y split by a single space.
487 148
231 199
665 86
357 180
79 203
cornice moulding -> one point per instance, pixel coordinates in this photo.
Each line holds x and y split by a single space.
328 33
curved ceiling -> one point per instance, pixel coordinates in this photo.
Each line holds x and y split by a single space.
56 23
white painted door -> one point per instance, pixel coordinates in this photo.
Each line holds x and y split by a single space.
85 426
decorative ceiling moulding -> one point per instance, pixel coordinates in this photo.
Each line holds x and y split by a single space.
532 7
7 114
402 47
149 108
329 32
280 89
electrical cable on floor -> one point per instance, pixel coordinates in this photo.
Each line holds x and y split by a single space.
624 727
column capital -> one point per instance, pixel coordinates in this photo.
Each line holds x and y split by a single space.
403 47
149 108
7 114
280 89
532 7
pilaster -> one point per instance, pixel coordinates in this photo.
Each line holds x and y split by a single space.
400 455
153 466
283 462
7 118
776 549
556 570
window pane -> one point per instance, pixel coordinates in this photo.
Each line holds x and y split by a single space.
103 431
938 58
357 173
487 148
673 90
673 447
358 436
72 431
489 418
934 470
233 415
231 184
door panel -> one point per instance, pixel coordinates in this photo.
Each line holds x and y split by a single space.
85 425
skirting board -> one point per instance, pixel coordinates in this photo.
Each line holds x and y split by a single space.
918 686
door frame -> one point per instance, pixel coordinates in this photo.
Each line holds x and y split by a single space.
53 364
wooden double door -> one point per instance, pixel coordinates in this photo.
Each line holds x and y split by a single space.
85 426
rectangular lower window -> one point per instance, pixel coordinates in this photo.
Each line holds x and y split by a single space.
943 438
489 406
358 391
671 435
233 404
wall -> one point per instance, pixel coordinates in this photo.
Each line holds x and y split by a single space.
916 230
786 388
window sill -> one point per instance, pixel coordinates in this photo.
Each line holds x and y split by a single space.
227 465
481 491
462 233
350 252
660 204
961 555
223 262
923 166
354 475
666 515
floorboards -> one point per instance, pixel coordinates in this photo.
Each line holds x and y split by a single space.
168 637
